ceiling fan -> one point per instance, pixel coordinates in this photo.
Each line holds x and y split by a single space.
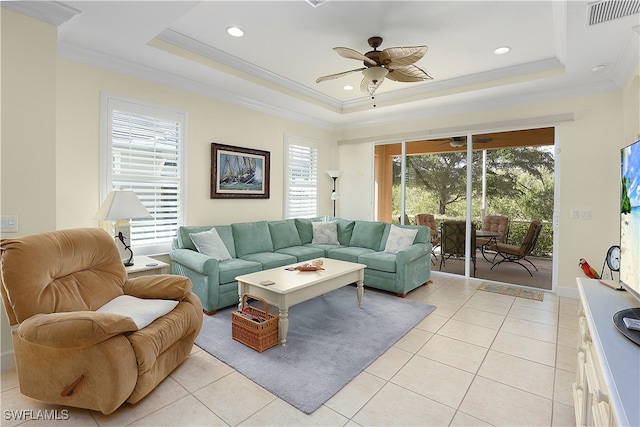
394 63
461 141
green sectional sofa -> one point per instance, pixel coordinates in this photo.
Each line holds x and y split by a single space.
397 264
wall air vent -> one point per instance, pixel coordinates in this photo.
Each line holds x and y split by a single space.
603 11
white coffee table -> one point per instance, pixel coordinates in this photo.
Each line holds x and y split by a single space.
293 287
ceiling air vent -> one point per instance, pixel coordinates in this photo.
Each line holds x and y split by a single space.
315 3
603 11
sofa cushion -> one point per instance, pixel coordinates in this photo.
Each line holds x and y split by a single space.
325 248
251 238
380 261
226 234
305 230
399 239
271 259
423 236
184 238
224 231
349 254
345 230
367 234
325 233
234 267
303 253
210 243
284 234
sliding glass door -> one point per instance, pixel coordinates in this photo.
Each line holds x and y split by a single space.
475 179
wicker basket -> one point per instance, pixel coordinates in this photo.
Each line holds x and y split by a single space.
253 327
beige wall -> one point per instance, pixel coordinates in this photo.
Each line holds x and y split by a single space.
27 168
588 167
631 106
208 120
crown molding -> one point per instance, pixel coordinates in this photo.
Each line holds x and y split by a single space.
513 99
185 42
498 126
52 12
523 72
629 57
118 65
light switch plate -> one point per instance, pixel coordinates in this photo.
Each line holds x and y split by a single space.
9 223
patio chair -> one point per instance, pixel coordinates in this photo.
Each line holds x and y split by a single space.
430 221
518 253
452 242
407 220
494 223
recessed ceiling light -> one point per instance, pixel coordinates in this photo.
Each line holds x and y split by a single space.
347 87
235 31
597 68
501 50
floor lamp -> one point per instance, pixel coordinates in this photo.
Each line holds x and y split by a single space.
334 194
121 206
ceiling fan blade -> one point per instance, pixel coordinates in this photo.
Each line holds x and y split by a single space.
398 57
346 52
338 75
368 86
412 73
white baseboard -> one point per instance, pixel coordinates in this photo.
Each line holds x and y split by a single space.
7 361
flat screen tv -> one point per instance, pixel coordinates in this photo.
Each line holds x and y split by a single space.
630 220
630 237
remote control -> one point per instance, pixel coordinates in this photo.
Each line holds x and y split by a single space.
630 323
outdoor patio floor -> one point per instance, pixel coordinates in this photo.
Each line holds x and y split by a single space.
507 272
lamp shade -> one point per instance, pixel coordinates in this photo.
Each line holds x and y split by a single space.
375 73
334 174
122 205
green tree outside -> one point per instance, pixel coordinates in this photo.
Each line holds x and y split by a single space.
519 184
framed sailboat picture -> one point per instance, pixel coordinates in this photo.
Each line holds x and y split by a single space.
239 173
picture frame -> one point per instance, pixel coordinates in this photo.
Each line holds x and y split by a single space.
239 173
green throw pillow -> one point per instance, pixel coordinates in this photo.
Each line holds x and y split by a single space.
367 234
284 234
251 238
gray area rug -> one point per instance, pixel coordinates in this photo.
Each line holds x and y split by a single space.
330 342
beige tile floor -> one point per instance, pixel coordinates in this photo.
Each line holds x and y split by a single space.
479 359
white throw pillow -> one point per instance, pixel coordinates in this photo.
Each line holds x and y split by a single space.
142 311
325 233
210 243
399 239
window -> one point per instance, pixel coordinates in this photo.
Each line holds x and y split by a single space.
142 150
301 178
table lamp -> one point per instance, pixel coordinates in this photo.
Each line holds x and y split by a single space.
121 206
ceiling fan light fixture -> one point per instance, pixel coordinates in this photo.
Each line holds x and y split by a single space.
375 74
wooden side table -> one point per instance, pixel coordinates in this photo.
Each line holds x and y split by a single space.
146 266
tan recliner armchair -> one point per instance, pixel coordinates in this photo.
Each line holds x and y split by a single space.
67 353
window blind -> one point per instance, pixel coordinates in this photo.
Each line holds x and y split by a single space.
301 180
145 157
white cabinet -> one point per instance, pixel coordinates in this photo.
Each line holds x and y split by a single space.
607 387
